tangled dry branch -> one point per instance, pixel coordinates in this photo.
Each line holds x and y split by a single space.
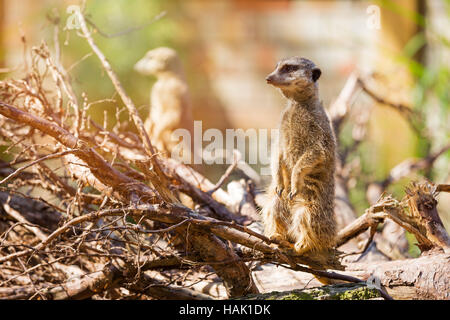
94 210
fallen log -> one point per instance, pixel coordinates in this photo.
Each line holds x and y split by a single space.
427 277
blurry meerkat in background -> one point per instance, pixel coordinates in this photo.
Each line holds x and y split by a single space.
170 103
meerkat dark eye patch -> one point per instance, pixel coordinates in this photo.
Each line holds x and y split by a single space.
316 74
289 68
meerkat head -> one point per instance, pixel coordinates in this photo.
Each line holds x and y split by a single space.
158 61
296 77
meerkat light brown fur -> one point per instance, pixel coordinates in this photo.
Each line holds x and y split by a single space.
170 101
300 206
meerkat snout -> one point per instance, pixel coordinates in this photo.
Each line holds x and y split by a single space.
158 61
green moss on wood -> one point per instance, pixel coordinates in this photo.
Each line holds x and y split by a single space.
330 292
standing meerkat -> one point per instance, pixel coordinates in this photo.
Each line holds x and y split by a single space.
170 101
300 205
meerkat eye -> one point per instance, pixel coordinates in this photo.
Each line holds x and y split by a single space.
289 68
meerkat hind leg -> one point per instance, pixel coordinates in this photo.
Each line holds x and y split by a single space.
298 229
278 233
275 227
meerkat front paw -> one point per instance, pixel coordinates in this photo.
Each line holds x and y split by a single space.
292 193
279 191
299 247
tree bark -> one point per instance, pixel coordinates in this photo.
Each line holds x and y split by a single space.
427 277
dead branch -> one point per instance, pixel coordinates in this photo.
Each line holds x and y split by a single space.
108 217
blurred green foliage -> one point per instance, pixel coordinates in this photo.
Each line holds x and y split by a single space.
431 86
430 94
112 17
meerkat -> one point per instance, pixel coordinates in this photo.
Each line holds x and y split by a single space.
170 101
300 206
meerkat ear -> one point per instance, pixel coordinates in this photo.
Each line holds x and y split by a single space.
316 74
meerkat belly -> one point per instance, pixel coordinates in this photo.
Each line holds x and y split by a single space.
314 185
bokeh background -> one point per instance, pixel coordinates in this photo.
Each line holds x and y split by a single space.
229 46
